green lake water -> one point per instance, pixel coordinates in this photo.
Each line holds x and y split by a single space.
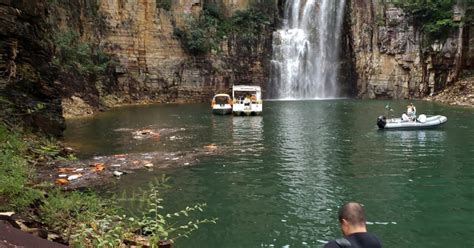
281 176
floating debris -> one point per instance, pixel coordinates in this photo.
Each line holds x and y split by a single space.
145 133
116 165
148 165
78 169
123 130
97 167
74 177
186 163
61 181
62 175
211 147
117 173
65 170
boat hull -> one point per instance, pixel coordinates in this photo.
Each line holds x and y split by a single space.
222 111
398 123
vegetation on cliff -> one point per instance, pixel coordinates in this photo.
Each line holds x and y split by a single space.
433 17
206 32
73 54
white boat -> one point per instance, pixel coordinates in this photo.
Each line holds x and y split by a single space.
221 104
247 100
422 122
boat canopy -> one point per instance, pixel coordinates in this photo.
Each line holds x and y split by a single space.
247 88
222 95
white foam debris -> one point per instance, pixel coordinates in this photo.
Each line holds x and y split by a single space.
118 173
116 165
73 177
62 175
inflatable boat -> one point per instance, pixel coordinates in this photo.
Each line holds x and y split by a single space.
423 121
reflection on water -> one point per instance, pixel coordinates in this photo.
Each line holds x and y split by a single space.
280 177
304 165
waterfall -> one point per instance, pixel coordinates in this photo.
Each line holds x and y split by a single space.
306 50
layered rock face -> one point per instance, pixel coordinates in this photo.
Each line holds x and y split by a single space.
155 67
391 60
150 62
28 91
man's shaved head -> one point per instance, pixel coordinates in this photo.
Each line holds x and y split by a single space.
353 213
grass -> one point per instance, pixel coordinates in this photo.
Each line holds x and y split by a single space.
14 173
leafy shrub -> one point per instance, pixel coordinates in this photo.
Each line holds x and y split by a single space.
164 4
73 54
14 173
205 33
434 17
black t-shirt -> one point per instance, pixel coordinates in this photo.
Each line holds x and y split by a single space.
355 240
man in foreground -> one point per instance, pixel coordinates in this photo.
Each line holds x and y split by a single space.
352 220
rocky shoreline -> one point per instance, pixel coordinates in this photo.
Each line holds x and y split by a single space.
460 93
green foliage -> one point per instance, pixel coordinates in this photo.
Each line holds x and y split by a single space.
86 220
434 17
14 173
73 54
67 212
161 226
205 33
164 4
48 148
82 218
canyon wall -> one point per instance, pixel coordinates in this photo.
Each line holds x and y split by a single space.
28 90
148 61
393 61
385 55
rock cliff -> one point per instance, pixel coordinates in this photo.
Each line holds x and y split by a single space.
27 80
148 61
52 53
393 61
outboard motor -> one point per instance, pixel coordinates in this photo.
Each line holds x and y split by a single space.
381 121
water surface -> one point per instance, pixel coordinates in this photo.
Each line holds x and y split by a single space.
282 175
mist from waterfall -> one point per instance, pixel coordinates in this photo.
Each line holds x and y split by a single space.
306 51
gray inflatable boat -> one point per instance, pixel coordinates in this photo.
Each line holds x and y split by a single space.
422 122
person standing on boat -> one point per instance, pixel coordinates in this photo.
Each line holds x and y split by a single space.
352 221
411 111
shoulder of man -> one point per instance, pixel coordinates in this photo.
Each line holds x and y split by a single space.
338 243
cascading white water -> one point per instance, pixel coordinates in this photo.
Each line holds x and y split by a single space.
306 51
